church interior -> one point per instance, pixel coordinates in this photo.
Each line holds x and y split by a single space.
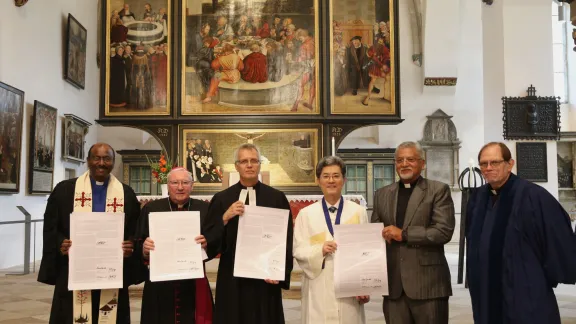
190 80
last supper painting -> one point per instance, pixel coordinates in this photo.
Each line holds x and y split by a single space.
138 61
250 57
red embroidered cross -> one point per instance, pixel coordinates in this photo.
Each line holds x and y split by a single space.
114 205
83 199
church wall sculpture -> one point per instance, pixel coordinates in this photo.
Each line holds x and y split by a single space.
42 149
289 152
11 118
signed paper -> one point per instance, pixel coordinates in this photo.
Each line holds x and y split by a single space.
176 254
96 257
360 260
261 243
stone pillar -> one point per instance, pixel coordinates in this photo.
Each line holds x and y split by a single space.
517 45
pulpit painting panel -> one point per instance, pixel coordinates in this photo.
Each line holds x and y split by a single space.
288 152
42 149
250 57
137 75
363 63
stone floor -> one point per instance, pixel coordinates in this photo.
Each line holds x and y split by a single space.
23 300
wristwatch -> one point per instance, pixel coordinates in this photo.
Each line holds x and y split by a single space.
404 235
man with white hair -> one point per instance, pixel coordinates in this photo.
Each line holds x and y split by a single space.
418 217
177 301
244 300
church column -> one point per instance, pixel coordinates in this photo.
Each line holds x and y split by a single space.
517 45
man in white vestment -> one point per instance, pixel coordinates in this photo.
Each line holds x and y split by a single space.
314 247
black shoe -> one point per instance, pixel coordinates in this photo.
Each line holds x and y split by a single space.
354 92
375 90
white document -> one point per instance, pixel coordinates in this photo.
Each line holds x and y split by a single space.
261 243
96 257
176 255
360 261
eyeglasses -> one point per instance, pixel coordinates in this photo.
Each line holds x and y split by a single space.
409 160
175 183
106 159
335 177
245 162
494 164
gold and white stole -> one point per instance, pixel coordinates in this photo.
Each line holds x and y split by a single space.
108 297
251 193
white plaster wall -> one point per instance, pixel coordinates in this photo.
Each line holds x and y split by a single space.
32 48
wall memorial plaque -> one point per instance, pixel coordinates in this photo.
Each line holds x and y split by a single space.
531 117
531 161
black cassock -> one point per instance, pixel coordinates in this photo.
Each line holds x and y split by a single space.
169 302
520 245
243 300
54 266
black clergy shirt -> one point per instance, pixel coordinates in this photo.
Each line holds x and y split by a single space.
404 194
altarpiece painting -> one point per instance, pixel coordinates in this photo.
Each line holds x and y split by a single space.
363 63
250 57
137 69
289 152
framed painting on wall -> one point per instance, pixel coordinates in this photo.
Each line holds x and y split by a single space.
42 145
11 118
75 130
250 57
136 77
288 152
364 65
75 58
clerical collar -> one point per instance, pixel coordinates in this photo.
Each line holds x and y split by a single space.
255 186
409 185
174 206
99 183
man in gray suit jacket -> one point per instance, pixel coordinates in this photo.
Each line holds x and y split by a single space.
418 217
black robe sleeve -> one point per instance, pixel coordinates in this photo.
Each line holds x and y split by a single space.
131 214
51 256
213 226
284 204
554 238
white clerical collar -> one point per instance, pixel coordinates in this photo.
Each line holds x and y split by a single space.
98 183
251 193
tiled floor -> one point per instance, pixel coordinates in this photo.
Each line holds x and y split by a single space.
23 300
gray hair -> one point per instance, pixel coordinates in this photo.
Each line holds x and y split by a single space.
329 161
409 144
180 170
246 146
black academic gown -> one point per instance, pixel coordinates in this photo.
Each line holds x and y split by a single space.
54 266
530 250
243 300
167 302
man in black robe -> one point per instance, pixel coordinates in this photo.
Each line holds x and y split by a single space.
54 266
243 300
178 301
520 246
357 60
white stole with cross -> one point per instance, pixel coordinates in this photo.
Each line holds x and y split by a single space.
108 297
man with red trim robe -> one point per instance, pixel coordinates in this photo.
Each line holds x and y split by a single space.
227 67
177 301
255 69
379 66
161 82
67 198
